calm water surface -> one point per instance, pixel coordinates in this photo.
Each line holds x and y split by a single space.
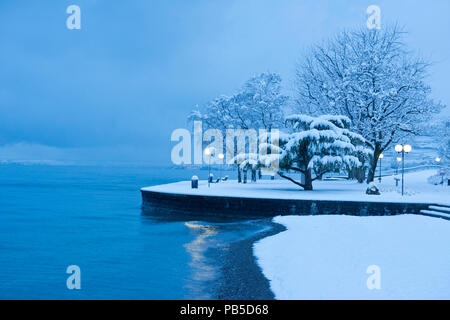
55 216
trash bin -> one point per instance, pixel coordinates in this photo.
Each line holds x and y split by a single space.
194 182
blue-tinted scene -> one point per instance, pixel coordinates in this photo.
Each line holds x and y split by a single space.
222 150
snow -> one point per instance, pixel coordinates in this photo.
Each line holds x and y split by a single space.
417 190
327 257
436 213
440 208
300 117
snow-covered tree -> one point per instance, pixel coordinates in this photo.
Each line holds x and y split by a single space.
317 145
221 113
246 162
263 101
258 104
370 77
444 138
441 130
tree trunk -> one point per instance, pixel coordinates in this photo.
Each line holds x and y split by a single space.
357 174
372 171
259 174
245 176
308 181
253 175
360 174
239 175
373 165
351 174
307 186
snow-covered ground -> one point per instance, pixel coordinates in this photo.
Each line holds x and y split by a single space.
327 257
417 189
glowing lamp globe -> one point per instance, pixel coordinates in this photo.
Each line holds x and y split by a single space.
399 148
407 148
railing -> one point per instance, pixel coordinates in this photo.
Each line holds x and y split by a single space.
391 172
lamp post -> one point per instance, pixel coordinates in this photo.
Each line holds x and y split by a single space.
381 158
209 153
403 149
221 156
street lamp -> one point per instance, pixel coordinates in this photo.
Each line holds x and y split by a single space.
438 160
403 149
381 158
209 154
221 156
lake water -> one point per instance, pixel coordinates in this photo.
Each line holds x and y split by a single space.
52 217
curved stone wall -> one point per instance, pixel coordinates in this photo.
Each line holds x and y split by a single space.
179 204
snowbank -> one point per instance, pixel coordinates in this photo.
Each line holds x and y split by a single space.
326 257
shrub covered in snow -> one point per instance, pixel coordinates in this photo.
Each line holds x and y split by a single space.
372 189
435 180
442 176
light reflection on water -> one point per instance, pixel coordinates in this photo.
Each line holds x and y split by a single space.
202 269
205 267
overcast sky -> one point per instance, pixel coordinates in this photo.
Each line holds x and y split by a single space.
116 89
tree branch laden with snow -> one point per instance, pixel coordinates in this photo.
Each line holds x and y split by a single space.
369 76
318 145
